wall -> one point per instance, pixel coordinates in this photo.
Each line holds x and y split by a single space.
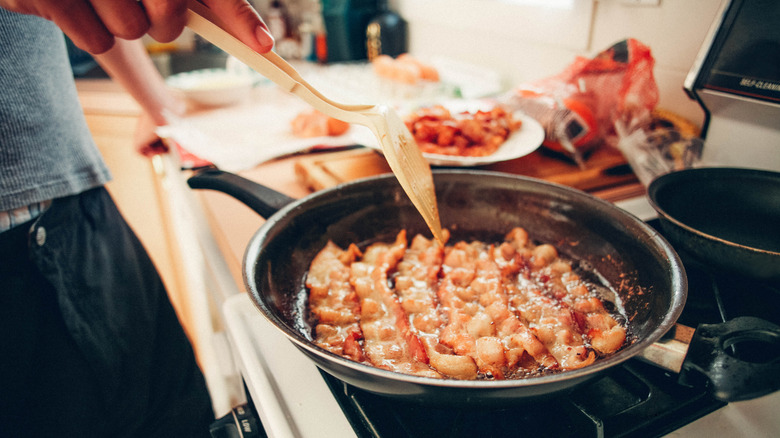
527 42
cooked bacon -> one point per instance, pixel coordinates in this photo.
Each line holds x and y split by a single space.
605 333
389 341
554 326
477 134
550 320
481 324
416 283
334 303
466 311
519 337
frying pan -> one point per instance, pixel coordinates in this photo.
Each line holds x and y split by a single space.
646 274
725 218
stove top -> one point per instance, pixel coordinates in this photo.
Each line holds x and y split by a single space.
293 398
633 399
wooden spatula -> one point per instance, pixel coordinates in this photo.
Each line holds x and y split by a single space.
398 145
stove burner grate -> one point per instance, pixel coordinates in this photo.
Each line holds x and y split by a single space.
632 400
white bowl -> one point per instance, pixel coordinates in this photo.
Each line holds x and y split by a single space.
212 87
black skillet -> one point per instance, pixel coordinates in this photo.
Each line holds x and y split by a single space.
615 247
726 218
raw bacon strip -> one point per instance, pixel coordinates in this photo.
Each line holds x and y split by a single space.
416 281
551 320
333 301
605 333
389 342
494 321
493 274
457 302
554 326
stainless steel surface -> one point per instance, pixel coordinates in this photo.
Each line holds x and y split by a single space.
693 73
669 352
735 80
741 132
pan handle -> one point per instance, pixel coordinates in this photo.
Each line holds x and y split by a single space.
739 359
266 202
736 360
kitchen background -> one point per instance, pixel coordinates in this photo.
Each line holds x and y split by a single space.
526 40
508 41
529 40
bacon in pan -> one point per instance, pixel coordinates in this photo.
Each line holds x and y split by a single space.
334 303
389 341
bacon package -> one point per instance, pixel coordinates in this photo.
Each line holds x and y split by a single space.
580 106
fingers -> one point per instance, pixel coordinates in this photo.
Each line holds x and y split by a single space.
82 24
167 18
93 24
244 22
125 19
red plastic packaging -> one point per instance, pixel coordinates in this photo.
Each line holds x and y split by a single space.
579 106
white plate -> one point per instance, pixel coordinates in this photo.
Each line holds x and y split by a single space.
521 143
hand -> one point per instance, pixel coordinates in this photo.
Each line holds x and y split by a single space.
93 24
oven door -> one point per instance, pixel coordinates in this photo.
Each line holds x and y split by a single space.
290 394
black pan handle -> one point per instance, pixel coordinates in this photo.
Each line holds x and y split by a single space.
737 360
266 202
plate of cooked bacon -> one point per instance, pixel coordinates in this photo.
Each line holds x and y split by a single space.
464 133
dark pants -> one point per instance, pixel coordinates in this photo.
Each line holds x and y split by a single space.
89 342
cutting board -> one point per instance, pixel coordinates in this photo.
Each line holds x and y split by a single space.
606 173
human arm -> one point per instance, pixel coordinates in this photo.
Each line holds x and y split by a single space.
93 25
128 63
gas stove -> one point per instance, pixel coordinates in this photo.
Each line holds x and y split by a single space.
635 399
